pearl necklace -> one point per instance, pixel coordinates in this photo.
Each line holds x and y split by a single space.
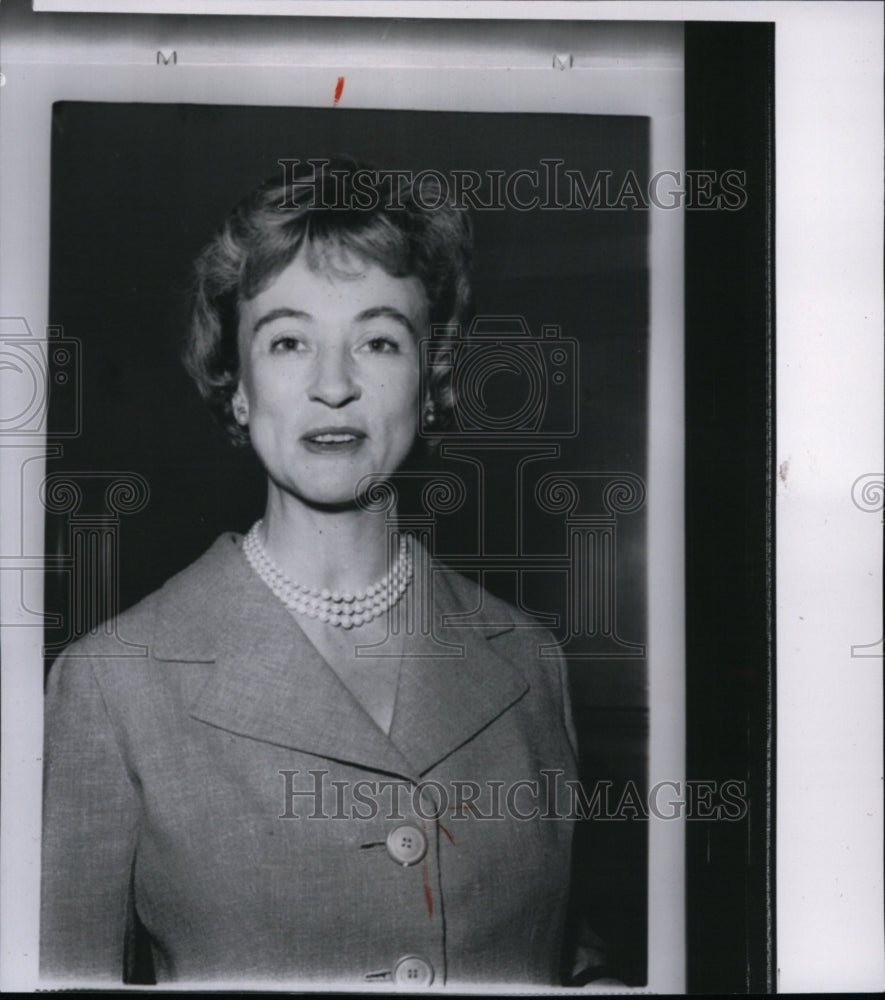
343 609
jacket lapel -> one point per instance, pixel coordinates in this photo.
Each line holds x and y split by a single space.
443 700
269 682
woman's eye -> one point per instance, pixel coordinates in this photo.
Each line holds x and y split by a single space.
382 345
284 343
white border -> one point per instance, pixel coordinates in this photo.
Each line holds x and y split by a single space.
828 104
829 552
640 77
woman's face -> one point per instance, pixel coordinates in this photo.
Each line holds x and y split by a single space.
330 375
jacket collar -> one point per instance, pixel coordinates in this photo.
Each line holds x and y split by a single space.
269 682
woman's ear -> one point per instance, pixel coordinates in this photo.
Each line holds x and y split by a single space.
428 413
240 406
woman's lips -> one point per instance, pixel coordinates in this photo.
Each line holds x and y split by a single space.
333 440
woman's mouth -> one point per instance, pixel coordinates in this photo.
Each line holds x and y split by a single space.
333 440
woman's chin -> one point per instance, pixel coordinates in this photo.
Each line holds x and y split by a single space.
329 496
331 503
356 487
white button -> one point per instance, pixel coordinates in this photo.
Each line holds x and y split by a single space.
413 971
407 845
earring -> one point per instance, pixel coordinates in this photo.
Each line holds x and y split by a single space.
241 410
430 414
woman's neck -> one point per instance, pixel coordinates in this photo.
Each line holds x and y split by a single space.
344 549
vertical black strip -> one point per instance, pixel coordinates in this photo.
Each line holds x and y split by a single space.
730 506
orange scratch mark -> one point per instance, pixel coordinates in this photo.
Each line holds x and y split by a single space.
446 832
428 894
339 90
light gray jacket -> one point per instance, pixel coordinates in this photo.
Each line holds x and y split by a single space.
174 769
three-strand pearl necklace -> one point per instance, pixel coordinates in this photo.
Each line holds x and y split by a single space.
333 607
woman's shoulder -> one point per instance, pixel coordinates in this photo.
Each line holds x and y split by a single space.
514 636
185 601
472 595
464 602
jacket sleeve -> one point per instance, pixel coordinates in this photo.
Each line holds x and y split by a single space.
90 813
584 952
566 699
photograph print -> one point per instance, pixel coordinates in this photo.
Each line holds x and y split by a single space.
348 670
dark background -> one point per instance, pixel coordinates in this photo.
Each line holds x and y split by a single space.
730 448
138 189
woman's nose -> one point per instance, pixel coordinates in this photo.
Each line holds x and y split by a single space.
333 382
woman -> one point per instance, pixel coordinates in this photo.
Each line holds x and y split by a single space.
255 797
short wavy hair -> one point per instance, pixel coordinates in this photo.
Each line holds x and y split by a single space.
332 205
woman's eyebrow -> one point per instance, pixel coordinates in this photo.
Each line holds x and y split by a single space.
377 311
283 312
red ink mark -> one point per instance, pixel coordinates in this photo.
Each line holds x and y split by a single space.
446 832
428 895
339 90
